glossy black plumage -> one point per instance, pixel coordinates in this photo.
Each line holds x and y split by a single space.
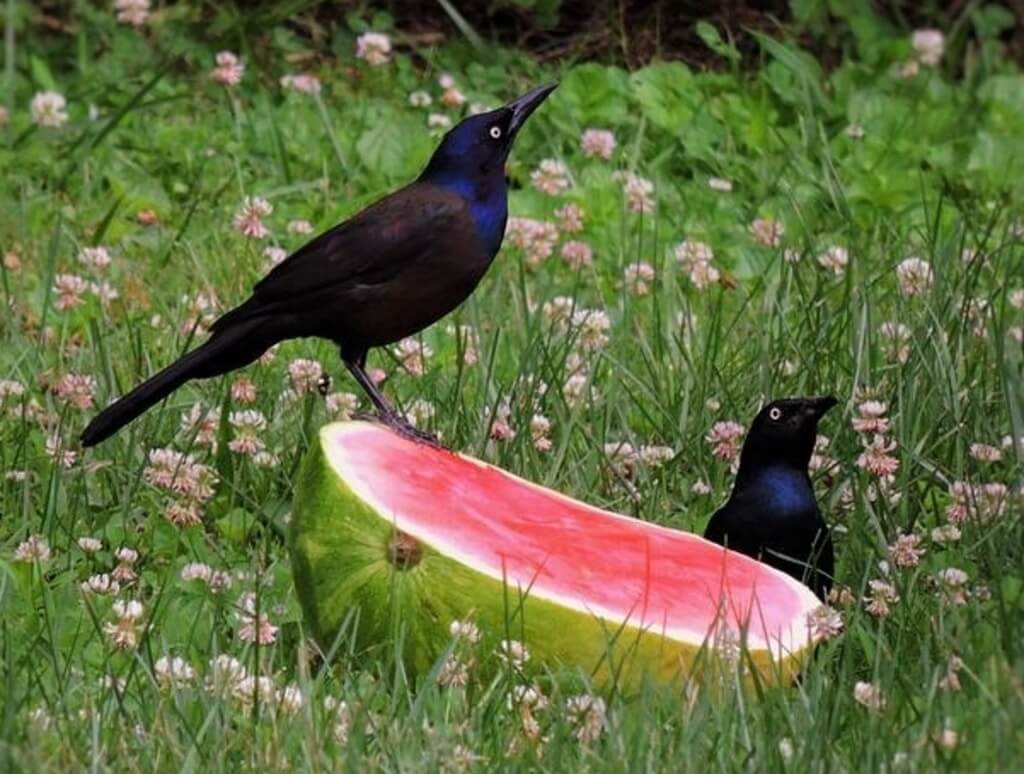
386 273
772 513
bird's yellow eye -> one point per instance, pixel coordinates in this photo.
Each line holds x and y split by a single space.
775 413
495 132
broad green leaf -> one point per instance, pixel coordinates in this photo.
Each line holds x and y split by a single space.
394 146
594 94
666 94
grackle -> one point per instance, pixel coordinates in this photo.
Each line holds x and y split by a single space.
772 514
388 272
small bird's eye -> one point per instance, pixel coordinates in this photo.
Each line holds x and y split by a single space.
775 413
495 132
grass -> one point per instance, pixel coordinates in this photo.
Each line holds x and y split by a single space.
937 171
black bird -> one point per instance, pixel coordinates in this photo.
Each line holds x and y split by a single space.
772 514
386 273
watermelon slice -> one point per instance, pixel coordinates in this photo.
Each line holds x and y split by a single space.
397 539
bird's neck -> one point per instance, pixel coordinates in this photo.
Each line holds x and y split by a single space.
488 202
783 487
755 462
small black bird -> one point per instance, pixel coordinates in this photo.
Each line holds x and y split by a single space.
384 274
772 514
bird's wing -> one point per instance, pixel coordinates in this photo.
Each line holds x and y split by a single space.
368 248
715 530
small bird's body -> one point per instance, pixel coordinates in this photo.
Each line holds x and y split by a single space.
389 272
772 513
386 273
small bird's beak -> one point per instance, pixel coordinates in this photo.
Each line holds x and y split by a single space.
817 407
522 108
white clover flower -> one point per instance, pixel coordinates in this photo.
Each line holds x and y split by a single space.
290 699
930 45
374 48
869 695
915 276
196 571
173 672
464 630
835 259
514 653
587 713
48 109
34 548
100 583
824 622
132 12
420 99
223 673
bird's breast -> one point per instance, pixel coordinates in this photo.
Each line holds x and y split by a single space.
489 221
784 491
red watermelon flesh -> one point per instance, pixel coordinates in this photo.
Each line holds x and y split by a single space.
587 562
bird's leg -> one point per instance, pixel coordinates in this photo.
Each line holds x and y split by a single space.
385 411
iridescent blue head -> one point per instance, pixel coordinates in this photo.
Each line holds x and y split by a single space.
471 161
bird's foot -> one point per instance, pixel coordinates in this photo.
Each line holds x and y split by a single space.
406 429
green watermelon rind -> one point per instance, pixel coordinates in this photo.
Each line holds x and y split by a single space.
343 576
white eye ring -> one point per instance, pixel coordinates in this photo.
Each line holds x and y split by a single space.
775 413
495 132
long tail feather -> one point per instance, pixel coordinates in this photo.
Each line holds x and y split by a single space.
229 349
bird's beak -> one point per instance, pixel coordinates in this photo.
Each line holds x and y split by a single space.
817 407
522 108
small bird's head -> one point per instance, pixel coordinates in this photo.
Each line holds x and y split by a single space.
477 147
784 431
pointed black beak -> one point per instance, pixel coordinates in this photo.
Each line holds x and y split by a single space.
522 108
817 407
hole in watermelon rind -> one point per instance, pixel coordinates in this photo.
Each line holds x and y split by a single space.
404 551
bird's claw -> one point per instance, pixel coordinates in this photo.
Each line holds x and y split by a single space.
407 430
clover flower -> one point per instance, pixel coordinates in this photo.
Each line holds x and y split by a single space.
570 219
303 83
48 109
915 276
725 439
834 259
249 218
34 549
599 143
551 177
869 695
229 69
577 254
930 45
637 278
132 12
767 231
374 48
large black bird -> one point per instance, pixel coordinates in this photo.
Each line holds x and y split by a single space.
386 273
772 514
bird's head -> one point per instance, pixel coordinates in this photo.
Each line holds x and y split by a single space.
784 431
476 148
